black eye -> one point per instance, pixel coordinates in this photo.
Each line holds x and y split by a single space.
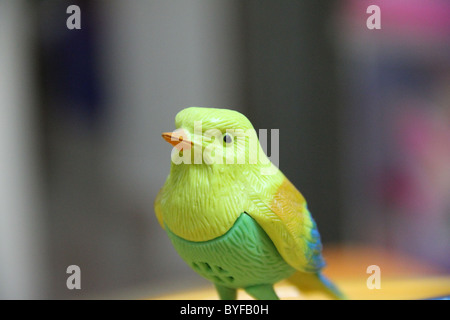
227 138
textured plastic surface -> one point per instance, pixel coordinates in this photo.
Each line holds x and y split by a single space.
243 257
201 206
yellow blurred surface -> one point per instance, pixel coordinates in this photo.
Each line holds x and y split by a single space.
402 277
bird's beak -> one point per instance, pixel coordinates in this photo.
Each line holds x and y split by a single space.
178 139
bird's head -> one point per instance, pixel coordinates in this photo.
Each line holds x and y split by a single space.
215 138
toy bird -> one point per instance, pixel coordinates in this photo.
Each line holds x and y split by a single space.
231 214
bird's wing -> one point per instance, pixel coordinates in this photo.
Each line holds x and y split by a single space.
157 207
287 221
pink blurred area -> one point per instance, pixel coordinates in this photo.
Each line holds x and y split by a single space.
421 18
421 185
399 127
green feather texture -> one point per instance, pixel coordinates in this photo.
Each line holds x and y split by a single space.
243 257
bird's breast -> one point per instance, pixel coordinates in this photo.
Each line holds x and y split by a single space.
203 208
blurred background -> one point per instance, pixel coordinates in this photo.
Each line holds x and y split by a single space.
364 119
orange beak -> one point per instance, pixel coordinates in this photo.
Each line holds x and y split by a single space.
178 139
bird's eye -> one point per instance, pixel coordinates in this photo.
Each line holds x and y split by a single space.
227 138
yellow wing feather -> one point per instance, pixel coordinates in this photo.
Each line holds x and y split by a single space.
288 223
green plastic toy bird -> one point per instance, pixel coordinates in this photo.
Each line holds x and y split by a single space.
231 214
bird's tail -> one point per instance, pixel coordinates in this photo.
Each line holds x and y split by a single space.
316 282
